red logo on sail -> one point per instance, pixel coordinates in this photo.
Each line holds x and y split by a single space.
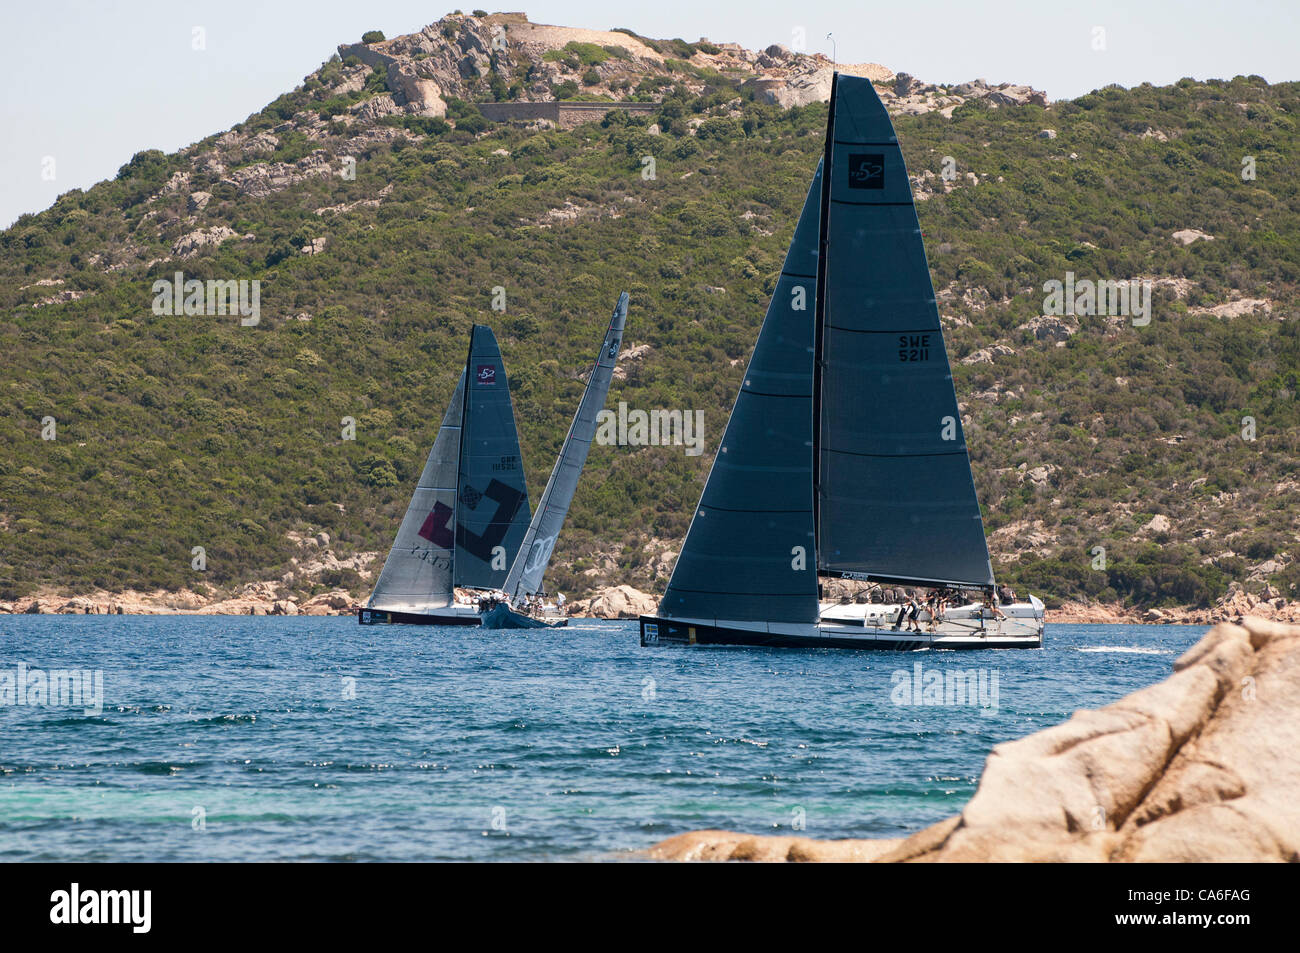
486 374
437 526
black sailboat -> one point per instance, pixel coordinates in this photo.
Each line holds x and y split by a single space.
468 515
844 456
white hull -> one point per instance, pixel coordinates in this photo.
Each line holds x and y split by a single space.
1021 620
867 626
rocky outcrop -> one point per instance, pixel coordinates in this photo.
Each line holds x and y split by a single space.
1236 309
791 80
267 178
1050 327
799 89
1200 767
187 246
986 355
618 602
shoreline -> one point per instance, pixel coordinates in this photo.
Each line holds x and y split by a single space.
612 602
266 599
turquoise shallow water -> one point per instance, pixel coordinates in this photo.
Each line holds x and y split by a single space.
535 745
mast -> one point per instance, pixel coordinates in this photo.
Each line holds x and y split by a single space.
819 315
534 555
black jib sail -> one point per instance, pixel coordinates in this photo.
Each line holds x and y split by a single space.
749 553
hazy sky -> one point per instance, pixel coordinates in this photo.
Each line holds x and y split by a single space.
88 84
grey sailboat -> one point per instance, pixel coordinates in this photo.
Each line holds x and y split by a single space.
468 515
844 456
523 585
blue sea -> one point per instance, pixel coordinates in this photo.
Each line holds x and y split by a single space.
301 739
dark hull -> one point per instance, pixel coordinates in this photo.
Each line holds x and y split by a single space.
670 632
385 617
502 616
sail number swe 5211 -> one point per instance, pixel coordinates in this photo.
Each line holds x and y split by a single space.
914 347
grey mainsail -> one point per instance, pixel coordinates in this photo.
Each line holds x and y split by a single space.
749 553
895 497
418 572
535 553
492 500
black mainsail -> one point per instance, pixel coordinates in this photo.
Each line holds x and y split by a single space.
492 500
895 496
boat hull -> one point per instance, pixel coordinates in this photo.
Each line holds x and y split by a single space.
451 615
659 631
501 616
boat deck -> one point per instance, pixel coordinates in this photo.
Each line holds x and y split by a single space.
868 626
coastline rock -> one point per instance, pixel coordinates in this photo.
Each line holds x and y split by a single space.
1199 767
725 845
619 602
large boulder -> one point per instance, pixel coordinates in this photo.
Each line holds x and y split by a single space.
419 94
619 602
799 89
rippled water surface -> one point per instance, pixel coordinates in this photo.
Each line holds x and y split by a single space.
317 739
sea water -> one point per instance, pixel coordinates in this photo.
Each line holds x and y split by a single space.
254 738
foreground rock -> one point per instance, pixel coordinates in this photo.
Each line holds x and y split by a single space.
725 845
1203 766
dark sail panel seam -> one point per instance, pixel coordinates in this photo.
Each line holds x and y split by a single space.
856 453
840 327
847 202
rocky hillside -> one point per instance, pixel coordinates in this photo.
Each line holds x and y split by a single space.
379 209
